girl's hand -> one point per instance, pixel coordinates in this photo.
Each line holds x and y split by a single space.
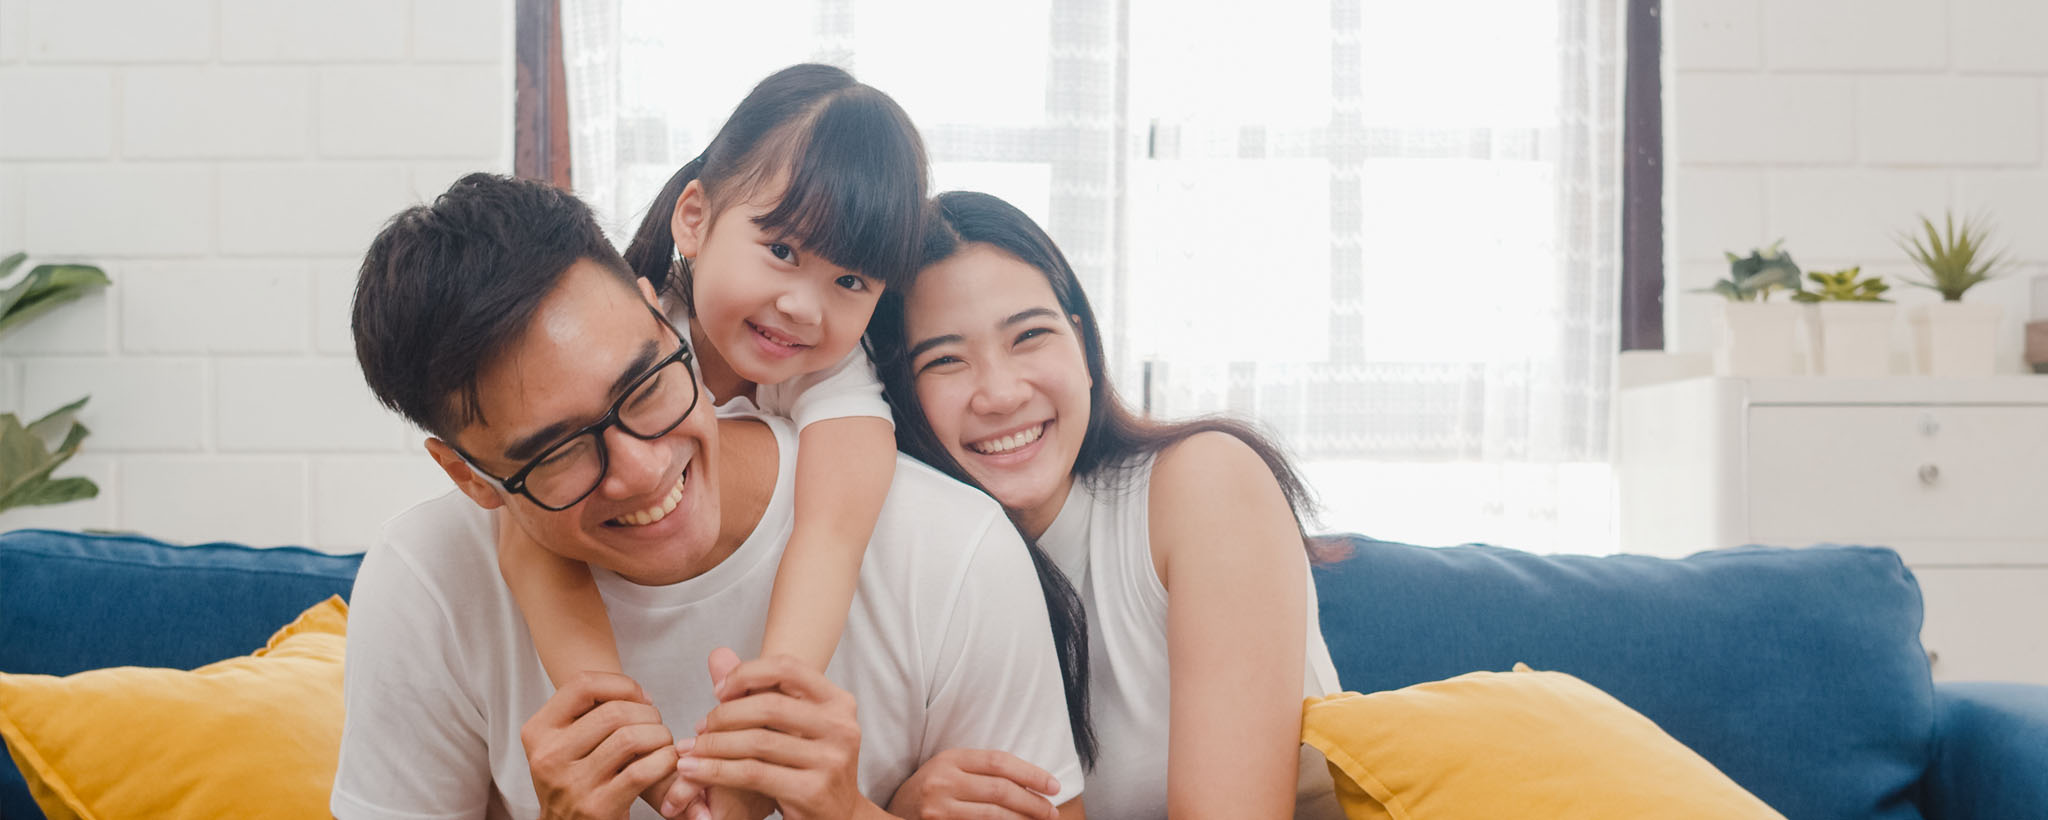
977 783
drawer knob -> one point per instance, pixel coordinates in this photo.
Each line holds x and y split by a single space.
1929 425
1929 474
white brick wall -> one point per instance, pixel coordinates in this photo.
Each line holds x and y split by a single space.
1834 123
227 161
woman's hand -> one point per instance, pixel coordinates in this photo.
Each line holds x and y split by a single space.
976 783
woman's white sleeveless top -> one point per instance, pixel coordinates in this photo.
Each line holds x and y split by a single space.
1101 540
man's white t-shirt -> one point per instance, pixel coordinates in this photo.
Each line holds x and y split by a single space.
946 646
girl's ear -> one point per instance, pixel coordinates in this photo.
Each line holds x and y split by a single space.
691 222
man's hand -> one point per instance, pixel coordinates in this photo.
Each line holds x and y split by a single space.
782 731
976 783
595 746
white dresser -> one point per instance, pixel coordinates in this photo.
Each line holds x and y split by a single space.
1951 473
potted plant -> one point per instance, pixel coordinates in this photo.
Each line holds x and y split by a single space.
1953 338
1758 337
26 458
1850 322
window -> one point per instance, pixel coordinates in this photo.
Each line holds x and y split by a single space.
1389 231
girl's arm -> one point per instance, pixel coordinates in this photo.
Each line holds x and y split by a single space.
843 469
1225 543
571 631
559 600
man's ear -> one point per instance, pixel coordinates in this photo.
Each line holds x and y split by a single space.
475 486
691 222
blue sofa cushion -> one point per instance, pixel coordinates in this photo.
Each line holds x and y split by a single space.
1993 760
71 602
1798 672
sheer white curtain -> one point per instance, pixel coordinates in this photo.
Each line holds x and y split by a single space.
1388 230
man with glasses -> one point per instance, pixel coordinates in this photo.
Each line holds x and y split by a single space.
560 400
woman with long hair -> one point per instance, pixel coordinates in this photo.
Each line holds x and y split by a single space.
1184 540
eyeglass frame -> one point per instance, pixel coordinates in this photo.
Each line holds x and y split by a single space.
516 482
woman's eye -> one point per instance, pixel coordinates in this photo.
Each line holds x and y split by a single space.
1032 333
937 361
782 251
852 283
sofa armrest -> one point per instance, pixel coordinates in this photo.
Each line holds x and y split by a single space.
1991 755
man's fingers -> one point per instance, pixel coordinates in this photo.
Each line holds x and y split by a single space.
993 763
625 787
579 739
747 775
768 710
624 748
768 745
778 672
584 692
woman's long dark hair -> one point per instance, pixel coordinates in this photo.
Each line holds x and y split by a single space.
1116 437
855 170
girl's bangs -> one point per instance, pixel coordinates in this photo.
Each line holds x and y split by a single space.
856 185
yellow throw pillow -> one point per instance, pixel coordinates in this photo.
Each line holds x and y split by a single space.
248 737
1512 744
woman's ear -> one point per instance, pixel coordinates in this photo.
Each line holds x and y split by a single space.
691 222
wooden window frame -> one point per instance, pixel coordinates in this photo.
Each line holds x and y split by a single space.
540 140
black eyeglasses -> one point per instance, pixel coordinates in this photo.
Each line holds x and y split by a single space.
569 470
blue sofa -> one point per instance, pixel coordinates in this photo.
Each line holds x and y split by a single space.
1798 672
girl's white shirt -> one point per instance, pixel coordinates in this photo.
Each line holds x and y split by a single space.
1102 540
844 390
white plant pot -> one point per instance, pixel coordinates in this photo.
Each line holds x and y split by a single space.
1758 340
1956 338
1852 339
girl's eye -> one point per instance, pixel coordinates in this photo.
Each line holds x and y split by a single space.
782 251
852 283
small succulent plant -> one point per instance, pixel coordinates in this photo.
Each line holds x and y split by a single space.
1954 259
1752 278
1843 286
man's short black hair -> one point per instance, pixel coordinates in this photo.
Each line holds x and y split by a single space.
447 287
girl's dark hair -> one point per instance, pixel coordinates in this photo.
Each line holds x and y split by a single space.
854 172
1116 437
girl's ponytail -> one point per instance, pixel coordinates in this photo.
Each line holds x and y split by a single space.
652 252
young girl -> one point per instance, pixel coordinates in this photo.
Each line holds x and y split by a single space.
773 245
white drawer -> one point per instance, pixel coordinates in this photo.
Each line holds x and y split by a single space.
1873 474
1987 623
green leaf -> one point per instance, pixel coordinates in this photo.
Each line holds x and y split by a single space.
25 461
46 427
56 491
8 265
46 287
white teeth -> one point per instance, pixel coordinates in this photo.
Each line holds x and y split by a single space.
1009 442
658 511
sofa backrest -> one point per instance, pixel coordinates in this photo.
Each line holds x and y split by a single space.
1798 672
71 602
